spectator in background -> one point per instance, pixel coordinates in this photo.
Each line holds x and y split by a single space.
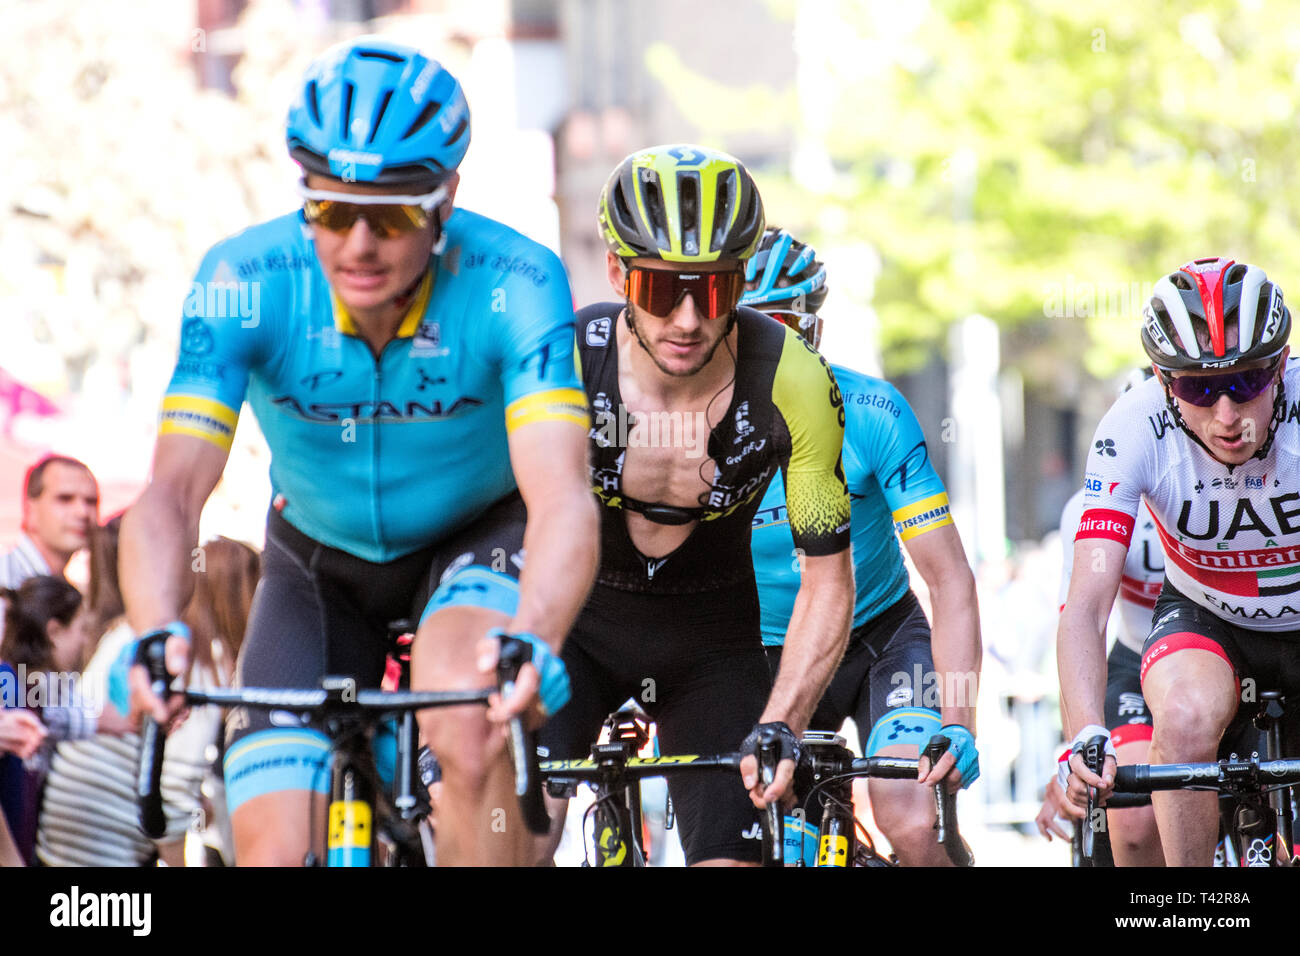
103 594
44 632
89 814
60 509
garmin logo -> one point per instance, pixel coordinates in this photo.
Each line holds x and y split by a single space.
353 156
74 909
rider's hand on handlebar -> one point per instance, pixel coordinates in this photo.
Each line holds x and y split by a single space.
780 787
959 766
523 702
1081 778
540 689
143 700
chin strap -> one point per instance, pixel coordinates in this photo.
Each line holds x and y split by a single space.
631 325
1279 413
731 322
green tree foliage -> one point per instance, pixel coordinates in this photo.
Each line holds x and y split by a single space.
1044 162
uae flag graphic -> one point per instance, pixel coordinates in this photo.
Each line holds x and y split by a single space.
1261 572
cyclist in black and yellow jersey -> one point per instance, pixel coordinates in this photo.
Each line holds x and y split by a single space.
696 403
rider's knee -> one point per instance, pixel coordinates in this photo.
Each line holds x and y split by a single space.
1185 722
464 744
1133 831
909 832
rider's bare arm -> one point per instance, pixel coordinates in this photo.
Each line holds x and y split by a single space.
955 634
1081 639
159 534
815 641
562 536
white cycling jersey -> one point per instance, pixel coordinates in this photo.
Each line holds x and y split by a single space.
1144 572
1231 534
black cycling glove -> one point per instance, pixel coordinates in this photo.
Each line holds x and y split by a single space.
777 732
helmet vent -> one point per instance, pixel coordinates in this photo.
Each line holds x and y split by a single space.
656 213
458 132
345 118
688 192
622 213
313 106
379 115
1235 274
724 200
426 114
379 55
1182 282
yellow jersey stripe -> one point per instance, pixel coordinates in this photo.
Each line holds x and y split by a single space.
922 516
557 405
203 418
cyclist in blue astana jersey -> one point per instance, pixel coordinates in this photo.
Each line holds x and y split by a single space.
412 368
887 681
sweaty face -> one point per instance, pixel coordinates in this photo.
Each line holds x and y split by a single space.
1233 432
365 271
681 343
62 515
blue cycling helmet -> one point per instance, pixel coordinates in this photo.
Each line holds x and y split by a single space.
374 111
783 259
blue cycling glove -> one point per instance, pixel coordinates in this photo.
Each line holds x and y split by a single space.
961 744
553 688
119 691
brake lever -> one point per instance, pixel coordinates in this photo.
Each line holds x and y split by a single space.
945 808
513 655
773 819
152 653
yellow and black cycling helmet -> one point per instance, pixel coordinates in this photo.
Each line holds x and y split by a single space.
681 203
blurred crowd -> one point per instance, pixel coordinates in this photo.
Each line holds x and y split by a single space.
68 757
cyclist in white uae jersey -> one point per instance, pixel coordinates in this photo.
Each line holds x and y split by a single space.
1133 834
1211 444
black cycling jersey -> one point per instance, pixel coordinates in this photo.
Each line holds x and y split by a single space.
786 411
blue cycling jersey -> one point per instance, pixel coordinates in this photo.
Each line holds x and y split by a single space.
892 488
378 455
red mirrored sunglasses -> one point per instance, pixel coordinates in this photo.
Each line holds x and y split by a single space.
659 291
